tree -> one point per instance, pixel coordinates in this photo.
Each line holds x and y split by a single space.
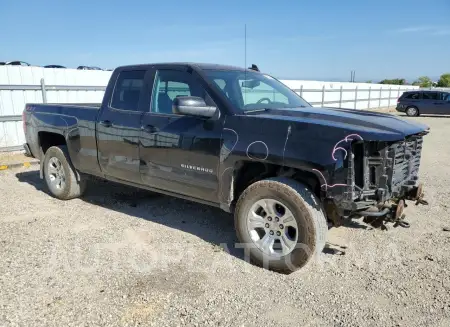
395 81
444 80
423 81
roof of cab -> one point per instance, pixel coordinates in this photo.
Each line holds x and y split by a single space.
202 66
425 91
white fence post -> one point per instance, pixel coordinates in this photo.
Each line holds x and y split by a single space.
389 101
340 97
356 96
379 98
370 91
44 91
323 95
301 90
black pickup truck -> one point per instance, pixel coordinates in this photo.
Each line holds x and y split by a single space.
237 139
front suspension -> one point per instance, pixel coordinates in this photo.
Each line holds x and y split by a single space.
393 211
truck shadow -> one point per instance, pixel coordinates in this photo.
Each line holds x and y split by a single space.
208 223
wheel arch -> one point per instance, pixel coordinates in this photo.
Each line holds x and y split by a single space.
48 139
74 185
245 173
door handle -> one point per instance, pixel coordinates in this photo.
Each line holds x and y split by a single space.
105 123
149 129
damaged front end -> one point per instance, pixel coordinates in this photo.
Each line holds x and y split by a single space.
380 177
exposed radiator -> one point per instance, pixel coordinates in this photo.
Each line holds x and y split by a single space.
405 157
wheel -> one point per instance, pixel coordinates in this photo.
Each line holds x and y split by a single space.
412 111
281 223
60 175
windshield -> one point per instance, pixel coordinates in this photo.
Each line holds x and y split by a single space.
250 91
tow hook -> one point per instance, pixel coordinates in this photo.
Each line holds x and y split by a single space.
419 195
399 210
401 222
421 201
399 217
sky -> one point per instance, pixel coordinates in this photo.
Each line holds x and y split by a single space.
321 39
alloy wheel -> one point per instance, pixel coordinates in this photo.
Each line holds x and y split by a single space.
272 227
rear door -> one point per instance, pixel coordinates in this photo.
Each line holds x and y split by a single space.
429 103
119 127
180 153
442 105
446 97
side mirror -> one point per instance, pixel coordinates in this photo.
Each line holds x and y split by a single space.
192 106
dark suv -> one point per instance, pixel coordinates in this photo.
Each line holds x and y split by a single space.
414 103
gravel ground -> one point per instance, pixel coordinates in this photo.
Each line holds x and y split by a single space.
124 257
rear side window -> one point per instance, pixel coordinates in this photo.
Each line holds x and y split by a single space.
127 90
430 96
414 96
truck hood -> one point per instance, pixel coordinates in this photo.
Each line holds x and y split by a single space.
376 126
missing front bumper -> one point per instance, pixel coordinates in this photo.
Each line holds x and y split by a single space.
392 211
377 215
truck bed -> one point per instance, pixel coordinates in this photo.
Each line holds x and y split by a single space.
75 121
88 105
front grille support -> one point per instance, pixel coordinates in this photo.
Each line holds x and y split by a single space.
405 158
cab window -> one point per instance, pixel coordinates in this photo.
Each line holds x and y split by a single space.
127 90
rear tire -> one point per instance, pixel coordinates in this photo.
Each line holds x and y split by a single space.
288 247
60 175
412 111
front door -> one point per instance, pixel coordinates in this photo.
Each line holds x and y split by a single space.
119 127
179 153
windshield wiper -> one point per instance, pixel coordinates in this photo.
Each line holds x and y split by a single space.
257 110
268 109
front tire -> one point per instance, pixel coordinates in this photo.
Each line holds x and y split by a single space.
412 111
60 175
281 223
